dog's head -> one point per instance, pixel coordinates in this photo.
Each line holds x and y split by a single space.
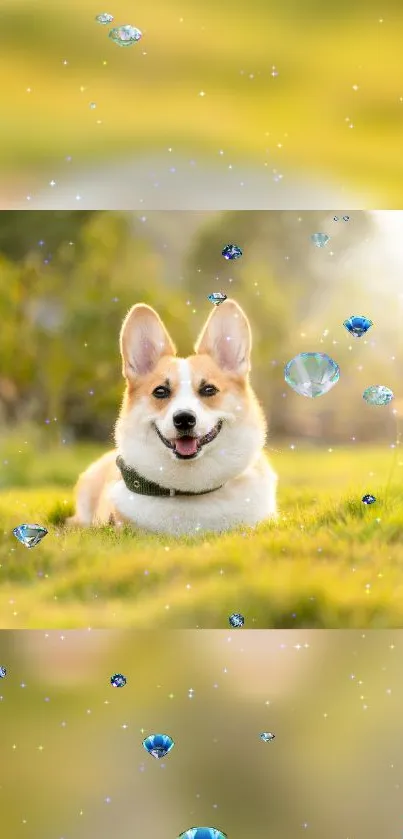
189 424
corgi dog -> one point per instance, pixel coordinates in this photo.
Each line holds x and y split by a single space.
190 434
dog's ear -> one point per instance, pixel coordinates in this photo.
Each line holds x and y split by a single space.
226 337
143 341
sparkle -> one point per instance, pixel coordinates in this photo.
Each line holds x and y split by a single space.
311 374
378 395
125 36
320 239
104 18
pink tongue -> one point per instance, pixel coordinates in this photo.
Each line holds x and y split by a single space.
186 445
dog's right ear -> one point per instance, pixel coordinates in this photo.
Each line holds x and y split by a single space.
143 341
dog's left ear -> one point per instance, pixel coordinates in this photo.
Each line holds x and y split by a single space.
226 337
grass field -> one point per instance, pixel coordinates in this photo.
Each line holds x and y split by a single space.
330 561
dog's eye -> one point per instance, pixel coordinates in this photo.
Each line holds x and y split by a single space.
208 390
161 392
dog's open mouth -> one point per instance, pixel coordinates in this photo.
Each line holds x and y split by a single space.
187 446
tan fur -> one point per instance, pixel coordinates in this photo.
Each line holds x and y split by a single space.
92 504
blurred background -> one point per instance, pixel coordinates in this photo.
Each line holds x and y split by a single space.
269 105
68 278
73 764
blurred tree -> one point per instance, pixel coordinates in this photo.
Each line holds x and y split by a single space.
282 288
61 318
59 355
22 232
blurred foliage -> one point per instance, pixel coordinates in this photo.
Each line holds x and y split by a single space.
57 60
337 733
68 278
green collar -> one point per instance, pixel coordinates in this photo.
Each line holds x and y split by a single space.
136 483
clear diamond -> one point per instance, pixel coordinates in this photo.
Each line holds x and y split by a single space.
346 218
217 297
357 325
158 745
311 374
118 681
125 36
104 18
232 252
203 833
236 619
378 395
3 672
368 499
30 534
320 239
267 736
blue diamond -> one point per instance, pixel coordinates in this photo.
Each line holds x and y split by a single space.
320 239
3 672
357 325
118 681
217 297
378 395
203 833
125 36
369 499
158 745
267 736
232 252
104 18
311 374
30 534
236 619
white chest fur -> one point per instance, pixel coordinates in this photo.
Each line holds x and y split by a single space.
246 500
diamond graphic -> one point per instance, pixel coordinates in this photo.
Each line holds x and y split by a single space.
104 18
217 297
118 681
125 36
320 239
368 499
3 672
158 745
378 395
30 534
267 736
232 252
357 325
203 833
311 374
236 619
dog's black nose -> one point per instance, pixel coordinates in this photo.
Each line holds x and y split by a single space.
184 420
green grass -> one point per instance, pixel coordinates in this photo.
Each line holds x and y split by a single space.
330 561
